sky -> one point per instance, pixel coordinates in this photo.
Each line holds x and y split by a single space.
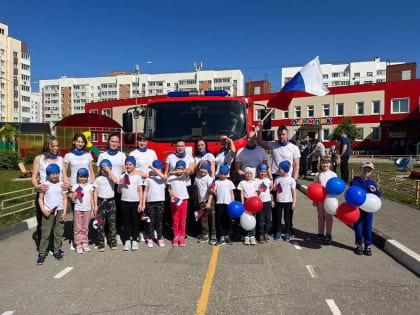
91 38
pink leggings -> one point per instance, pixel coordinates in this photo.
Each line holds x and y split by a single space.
325 220
179 214
81 227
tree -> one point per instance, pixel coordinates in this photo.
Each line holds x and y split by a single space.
10 135
349 129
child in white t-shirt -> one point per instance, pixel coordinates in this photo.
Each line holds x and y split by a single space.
53 204
325 220
204 203
224 196
248 188
285 187
177 187
264 185
131 189
82 196
153 202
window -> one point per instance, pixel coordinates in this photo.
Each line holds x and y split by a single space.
336 74
325 76
106 112
340 109
357 74
325 134
380 72
257 90
94 137
361 135
105 137
286 114
360 108
1 31
325 110
374 134
310 111
369 74
356 82
400 105
406 75
93 111
298 113
367 82
261 114
376 107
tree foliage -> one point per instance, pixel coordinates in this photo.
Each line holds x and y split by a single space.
10 134
349 129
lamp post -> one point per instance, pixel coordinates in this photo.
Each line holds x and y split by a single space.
136 113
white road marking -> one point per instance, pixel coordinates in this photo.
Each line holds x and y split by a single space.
333 307
7 313
296 244
63 272
312 271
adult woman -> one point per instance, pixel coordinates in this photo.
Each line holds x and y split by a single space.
50 155
202 156
227 152
143 155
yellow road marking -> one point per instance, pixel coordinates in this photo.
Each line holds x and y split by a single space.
205 292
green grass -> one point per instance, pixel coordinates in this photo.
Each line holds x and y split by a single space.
16 218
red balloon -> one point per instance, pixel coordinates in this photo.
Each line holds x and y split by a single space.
253 204
316 192
348 214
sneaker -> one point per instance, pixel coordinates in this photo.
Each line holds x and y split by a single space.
358 250
101 248
220 242
182 241
150 243
327 240
261 239
127 245
203 239
41 259
161 243
287 237
114 245
246 241
58 256
319 238
86 248
266 237
72 246
175 241
228 240
277 236
118 239
141 237
367 251
253 240
134 245
212 241
79 249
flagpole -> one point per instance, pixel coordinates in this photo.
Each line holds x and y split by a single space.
268 114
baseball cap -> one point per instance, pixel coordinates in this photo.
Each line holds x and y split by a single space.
367 164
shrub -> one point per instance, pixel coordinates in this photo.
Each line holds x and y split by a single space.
9 160
30 156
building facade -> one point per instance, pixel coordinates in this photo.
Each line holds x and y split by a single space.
36 108
15 77
257 87
65 96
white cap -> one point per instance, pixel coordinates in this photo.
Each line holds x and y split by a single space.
367 164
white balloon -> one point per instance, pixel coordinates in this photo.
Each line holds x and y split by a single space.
248 221
372 204
331 205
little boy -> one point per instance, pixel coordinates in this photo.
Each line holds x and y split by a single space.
363 226
53 204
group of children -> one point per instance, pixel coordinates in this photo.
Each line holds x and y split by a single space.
212 198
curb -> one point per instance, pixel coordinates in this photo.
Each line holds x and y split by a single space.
401 253
17 228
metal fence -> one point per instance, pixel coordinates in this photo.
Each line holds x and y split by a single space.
14 202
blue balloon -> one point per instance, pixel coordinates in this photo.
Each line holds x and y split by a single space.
335 186
235 209
355 196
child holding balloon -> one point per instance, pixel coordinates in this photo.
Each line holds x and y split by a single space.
325 219
363 226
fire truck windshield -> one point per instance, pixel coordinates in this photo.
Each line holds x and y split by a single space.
189 120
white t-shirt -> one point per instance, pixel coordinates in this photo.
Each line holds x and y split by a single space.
43 164
224 158
264 195
324 177
156 188
172 159
206 157
105 187
77 162
179 186
251 158
83 203
117 161
203 184
53 197
284 194
249 188
289 152
144 159
131 192
223 188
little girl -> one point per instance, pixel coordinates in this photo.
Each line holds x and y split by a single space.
154 194
325 220
82 196
248 188
177 187
264 185
130 187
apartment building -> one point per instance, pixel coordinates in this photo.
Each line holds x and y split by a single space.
15 77
65 96
36 107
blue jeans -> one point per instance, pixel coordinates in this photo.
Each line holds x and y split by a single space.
363 228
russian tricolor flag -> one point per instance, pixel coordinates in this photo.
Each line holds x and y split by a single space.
145 218
263 187
213 184
279 189
127 179
308 79
79 191
198 214
177 201
54 211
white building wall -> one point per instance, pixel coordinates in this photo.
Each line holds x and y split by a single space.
36 108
